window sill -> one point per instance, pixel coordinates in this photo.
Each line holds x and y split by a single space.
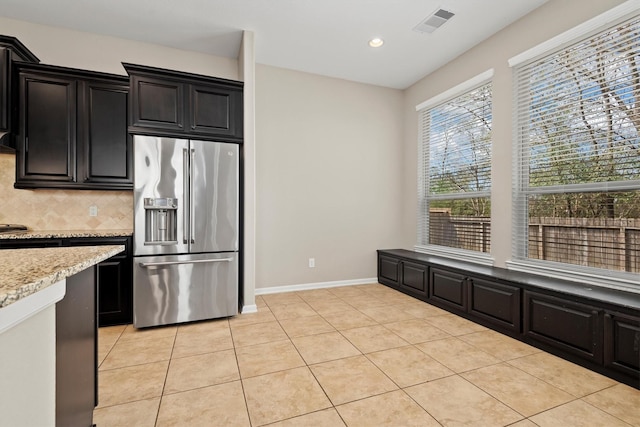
628 282
479 258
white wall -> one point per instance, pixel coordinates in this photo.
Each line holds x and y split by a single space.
67 48
328 180
549 20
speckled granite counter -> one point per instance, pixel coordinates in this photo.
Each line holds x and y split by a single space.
24 272
64 234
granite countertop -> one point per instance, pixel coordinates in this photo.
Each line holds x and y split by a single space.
24 272
62 234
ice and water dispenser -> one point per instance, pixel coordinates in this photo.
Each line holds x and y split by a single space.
160 221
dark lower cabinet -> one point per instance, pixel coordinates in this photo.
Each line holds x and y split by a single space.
114 280
411 278
114 276
496 303
569 326
448 289
600 331
76 352
414 277
389 271
622 344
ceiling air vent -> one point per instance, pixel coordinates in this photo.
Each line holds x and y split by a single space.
433 21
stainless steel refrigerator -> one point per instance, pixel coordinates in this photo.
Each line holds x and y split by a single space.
186 230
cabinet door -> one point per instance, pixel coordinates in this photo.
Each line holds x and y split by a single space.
622 344
448 288
389 271
114 281
157 103
105 148
414 278
215 110
4 89
563 324
496 303
114 291
47 140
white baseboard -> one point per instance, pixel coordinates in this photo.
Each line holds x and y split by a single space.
310 286
252 308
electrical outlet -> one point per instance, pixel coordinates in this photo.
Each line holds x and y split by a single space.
312 262
93 211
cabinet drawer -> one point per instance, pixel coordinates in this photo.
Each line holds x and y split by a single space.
448 288
573 327
622 344
497 303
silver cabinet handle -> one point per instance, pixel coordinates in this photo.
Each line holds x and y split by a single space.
197 261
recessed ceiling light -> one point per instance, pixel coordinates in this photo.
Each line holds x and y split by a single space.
377 42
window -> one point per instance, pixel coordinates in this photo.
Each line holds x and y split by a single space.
577 160
455 169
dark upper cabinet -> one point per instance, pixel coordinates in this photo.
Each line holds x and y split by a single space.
106 149
10 50
5 67
72 129
216 109
166 102
46 150
157 103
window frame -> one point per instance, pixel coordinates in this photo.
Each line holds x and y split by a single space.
423 196
609 278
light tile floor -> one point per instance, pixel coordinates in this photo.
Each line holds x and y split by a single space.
349 356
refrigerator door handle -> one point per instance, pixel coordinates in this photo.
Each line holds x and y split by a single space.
185 196
197 261
191 211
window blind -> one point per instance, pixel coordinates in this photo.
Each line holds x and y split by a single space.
577 153
455 172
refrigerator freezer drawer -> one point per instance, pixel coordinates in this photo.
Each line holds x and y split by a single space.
183 288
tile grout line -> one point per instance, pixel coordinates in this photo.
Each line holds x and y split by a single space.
289 339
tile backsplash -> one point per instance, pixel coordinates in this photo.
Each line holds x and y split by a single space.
61 209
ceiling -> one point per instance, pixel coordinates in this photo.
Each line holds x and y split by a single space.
327 37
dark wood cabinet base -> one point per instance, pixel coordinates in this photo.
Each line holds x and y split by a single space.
76 351
598 329
114 276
